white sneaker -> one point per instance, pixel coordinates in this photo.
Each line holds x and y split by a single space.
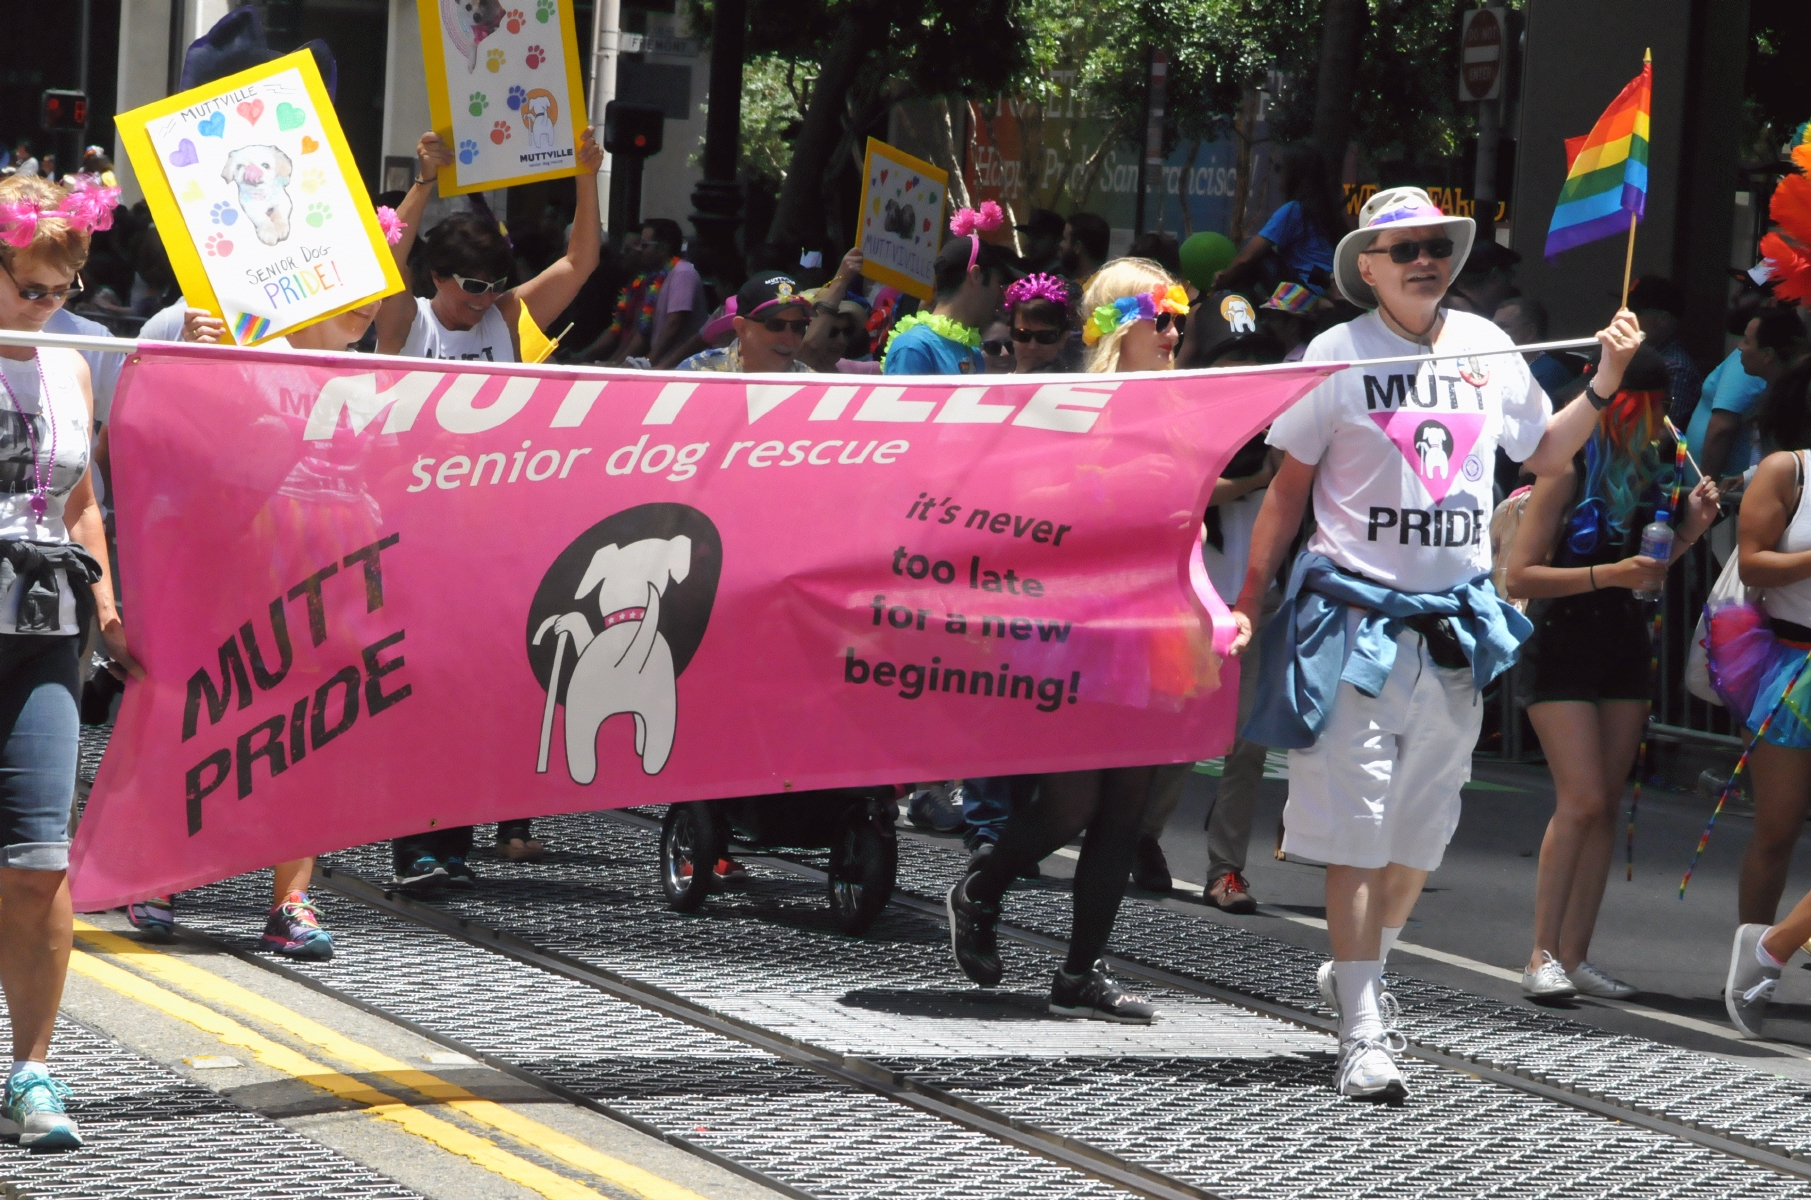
1367 1069
1548 981
1592 981
1749 988
1323 978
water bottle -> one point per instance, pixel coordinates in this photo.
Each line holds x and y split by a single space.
1657 544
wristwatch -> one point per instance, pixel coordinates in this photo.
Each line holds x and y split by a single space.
1597 401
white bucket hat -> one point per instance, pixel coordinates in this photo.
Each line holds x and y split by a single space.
1395 208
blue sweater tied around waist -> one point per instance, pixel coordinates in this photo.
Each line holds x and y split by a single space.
1306 653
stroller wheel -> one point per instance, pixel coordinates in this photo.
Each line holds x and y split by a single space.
864 858
692 838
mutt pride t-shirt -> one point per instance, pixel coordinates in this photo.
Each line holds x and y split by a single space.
1406 450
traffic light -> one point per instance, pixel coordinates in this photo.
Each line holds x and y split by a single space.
634 130
59 109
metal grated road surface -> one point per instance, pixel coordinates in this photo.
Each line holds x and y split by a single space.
791 1124
1240 1106
152 1134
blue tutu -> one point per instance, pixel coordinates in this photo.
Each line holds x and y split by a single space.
1787 729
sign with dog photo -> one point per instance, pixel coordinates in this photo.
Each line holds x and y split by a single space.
257 199
504 89
902 221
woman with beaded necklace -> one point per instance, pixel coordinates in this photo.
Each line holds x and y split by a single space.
53 578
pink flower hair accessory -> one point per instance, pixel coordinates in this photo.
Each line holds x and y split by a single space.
89 205
390 223
18 223
971 223
1037 287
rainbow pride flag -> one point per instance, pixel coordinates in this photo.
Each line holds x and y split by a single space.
1607 171
249 328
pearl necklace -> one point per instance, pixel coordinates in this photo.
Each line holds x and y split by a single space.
41 473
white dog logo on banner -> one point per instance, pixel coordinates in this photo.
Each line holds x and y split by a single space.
261 173
625 666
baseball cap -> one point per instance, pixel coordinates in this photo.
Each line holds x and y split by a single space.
768 291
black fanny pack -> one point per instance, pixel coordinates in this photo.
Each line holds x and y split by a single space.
1789 631
1442 642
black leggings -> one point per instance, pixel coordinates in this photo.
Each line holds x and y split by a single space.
1109 805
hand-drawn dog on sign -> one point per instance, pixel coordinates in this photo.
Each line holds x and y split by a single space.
615 621
261 175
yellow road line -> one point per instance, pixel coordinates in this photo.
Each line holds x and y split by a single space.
447 1136
182 973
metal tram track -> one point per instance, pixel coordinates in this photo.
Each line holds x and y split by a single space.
1774 1158
851 1070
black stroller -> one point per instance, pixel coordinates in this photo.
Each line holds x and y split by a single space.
855 824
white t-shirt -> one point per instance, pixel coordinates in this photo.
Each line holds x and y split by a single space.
1406 451
488 339
27 455
103 367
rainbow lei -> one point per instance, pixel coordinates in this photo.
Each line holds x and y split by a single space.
1143 307
644 321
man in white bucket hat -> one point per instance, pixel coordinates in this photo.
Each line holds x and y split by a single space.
1389 630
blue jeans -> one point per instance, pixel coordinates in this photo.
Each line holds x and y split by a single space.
40 731
988 802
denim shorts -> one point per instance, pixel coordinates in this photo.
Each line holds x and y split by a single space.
40 727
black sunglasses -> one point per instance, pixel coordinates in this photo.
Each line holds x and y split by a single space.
32 295
777 325
1404 253
477 287
996 346
1165 320
1043 337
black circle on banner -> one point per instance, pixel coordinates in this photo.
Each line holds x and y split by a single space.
685 605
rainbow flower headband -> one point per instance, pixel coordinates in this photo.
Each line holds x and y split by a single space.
88 207
1143 307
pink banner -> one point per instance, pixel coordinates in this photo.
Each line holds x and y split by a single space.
351 580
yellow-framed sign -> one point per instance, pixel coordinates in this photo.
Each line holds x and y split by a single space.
902 219
258 201
504 90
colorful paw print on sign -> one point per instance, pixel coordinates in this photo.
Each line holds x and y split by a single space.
468 150
499 132
479 102
512 20
318 215
544 10
536 56
217 246
312 181
493 61
517 94
223 213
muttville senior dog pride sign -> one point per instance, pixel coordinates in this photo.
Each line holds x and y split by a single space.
410 593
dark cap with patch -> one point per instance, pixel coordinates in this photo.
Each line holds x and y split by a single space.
769 291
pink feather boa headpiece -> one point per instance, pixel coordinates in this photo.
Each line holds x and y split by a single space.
1038 287
971 223
87 208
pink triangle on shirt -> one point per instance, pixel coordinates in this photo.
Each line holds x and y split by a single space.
1436 444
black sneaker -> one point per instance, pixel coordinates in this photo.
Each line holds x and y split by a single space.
423 875
1096 997
459 876
972 934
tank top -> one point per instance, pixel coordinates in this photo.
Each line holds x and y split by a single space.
487 340
1792 601
68 413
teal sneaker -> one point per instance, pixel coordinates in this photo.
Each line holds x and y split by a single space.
34 1111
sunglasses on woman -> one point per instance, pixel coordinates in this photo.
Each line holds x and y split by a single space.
1404 253
34 294
1164 320
995 347
1043 337
477 287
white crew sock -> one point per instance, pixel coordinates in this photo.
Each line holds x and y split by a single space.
26 1066
1760 952
1390 934
1358 985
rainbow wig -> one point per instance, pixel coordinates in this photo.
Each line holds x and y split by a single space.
1623 460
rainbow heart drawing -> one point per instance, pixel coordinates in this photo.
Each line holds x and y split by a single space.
213 126
184 155
251 110
290 117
